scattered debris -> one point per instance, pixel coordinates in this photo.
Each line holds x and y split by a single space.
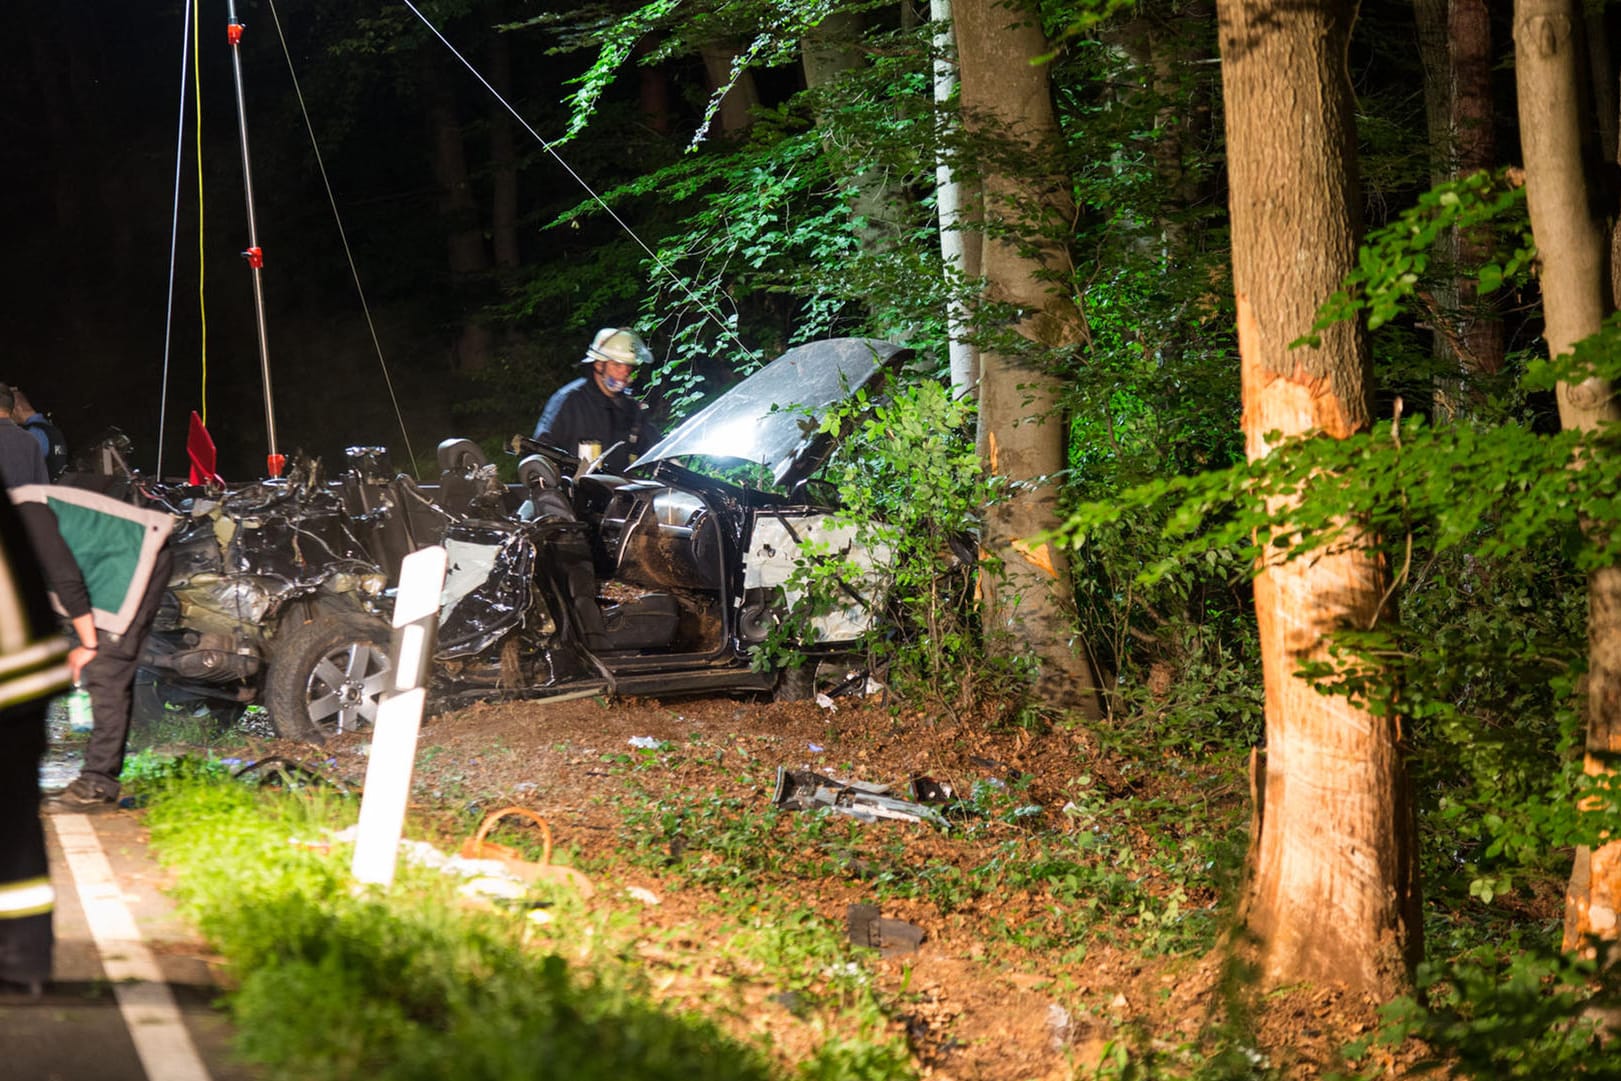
642 894
1060 1026
942 796
888 936
803 790
280 771
646 743
528 871
793 1002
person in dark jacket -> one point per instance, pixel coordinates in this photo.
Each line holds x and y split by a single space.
21 460
35 663
594 417
107 563
47 434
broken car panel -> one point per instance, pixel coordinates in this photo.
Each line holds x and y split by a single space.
662 581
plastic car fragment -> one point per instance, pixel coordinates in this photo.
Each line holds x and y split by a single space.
803 790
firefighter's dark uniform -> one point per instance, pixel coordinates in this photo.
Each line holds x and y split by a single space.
580 413
32 668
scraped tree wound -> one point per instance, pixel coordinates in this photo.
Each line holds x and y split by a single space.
1333 896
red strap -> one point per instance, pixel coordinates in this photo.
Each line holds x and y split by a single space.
200 449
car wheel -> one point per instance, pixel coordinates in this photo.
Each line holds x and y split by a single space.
834 676
796 684
326 677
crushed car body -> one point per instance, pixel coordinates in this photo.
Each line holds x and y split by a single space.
662 581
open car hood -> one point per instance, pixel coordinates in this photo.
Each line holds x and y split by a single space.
771 418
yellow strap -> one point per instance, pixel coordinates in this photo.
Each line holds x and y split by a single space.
30 897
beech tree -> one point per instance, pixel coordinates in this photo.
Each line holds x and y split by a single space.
1571 250
1333 895
1454 38
1006 97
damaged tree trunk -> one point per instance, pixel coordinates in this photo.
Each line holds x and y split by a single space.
1333 896
1570 246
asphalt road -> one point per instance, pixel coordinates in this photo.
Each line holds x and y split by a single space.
133 996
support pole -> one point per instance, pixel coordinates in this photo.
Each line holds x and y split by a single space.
255 255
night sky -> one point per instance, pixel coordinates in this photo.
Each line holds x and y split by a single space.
90 154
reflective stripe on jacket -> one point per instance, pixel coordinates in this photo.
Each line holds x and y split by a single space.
30 897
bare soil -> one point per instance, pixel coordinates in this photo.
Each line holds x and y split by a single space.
971 1002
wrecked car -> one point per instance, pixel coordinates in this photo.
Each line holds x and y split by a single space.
665 580
271 582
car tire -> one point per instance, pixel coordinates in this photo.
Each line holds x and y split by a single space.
796 684
836 676
327 676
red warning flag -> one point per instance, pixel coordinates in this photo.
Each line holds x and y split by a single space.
200 449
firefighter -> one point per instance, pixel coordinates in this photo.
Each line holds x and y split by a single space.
595 416
35 663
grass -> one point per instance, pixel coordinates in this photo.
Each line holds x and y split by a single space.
421 984
333 984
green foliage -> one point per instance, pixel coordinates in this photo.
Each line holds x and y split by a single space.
1393 260
775 240
1597 357
909 481
617 42
336 984
1524 1013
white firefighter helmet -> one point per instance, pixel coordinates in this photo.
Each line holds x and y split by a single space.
620 345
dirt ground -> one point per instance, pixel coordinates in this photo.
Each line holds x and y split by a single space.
975 1005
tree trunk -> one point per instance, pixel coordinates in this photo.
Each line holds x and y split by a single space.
503 161
1455 43
959 247
738 94
1570 246
1333 896
828 51
653 92
1029 602
1472 119
458 209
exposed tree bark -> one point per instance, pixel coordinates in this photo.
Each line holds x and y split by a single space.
960 247
1005 96
1333 896
1571 249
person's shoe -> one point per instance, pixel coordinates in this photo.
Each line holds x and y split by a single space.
21 990
80 797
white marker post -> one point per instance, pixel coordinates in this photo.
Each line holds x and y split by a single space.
394 736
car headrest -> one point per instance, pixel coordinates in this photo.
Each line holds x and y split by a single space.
460 456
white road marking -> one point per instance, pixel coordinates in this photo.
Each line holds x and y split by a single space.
144 998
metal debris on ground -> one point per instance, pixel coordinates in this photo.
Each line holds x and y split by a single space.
278 770
888 936
803 790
